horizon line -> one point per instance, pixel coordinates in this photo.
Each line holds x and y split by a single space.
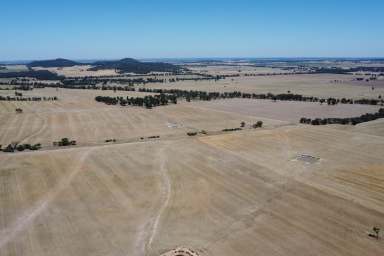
201 58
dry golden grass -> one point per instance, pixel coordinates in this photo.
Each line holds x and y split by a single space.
243 193
77 71
232 194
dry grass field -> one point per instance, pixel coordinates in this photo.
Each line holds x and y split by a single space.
79 71
284 189
319 85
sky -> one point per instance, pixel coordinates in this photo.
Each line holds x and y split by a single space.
85 29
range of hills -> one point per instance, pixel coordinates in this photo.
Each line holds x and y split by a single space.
53 63
129 65
126 65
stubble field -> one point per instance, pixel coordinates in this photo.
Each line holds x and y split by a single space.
284 189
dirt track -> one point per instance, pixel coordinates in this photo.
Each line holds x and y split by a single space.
225 194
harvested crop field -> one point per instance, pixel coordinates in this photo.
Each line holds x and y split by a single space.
319 85
231 194
185 179
289 111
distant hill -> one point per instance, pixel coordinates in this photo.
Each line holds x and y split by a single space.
53 63
129 65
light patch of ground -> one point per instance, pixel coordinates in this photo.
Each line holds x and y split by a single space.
319 85
234 69
289 111
232 194
228 194
14 68
375 127
79 71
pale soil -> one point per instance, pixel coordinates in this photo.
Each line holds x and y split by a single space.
14 68
237 194
79 71
230 70
375 127
241 193
78 116
289 111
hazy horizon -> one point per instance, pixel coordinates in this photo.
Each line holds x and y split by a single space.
23 61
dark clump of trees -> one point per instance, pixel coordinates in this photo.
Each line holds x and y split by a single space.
64 142
346 71
258 124
15 146
34 98
231 129
38 74
154 137
375 234
344 121
148 101
191 133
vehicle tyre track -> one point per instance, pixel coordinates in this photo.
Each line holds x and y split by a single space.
26 219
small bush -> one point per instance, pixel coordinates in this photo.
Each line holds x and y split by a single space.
20 147
231 129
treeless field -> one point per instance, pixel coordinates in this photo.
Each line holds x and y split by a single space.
79 71
234 69
235 194
289 111
284 189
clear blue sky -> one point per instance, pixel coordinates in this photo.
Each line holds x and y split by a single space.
85 29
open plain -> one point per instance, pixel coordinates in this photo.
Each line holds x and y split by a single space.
283 189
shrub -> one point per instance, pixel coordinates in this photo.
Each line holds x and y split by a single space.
257 124
64 142
231 129
36 146
20 147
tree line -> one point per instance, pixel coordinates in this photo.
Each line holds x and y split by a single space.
12 147
344 121
18 98
207 96
166 96
38 74
148 101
